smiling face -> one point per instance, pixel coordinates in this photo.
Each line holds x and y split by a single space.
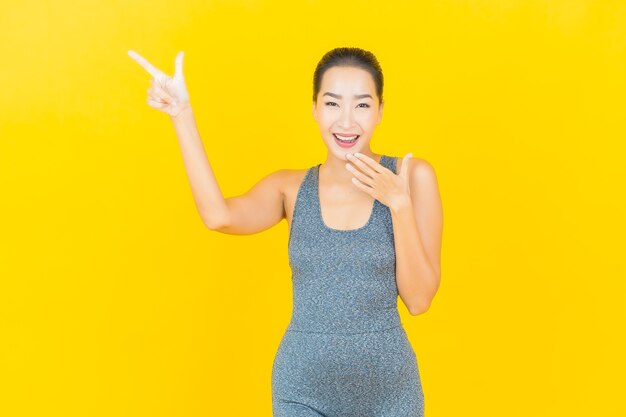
347 106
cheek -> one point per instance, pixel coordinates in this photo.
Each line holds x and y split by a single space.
326 118
366 120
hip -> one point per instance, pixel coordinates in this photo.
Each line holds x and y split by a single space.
380 352
331 370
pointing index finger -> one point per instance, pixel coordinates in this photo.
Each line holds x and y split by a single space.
156 73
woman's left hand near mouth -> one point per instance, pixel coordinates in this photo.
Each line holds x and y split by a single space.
379 181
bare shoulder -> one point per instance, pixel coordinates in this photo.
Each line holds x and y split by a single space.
423 182
419 169
292 178
285 181
272 183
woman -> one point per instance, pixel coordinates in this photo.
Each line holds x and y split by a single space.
363 229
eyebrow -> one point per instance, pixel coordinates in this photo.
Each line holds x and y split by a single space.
357 96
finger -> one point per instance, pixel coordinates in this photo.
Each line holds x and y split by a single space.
156 73
161 94
158 92
157 99
155 83
359 175
376 166
156 104
365 188
363 164
152 93
178 72
404 172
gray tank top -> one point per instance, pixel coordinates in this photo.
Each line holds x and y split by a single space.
343 281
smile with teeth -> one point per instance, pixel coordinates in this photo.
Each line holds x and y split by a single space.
346 139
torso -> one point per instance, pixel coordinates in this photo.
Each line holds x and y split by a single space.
342 208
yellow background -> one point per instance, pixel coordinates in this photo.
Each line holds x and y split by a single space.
116 301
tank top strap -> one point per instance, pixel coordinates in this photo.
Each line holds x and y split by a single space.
384 216
389 162
304 207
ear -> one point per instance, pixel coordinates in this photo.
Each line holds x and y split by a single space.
380 111
313 111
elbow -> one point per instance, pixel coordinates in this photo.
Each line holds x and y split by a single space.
424 303
213 222
214 225
419 309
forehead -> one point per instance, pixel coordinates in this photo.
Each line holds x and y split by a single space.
338 79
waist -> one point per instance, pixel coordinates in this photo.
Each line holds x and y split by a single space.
345 324
344 332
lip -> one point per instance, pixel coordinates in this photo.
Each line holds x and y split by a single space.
345 145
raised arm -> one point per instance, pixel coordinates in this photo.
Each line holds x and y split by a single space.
260 208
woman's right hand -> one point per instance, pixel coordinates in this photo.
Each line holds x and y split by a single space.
168 94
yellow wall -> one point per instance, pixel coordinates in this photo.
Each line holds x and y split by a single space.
116 301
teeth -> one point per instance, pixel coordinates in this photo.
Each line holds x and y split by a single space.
346 138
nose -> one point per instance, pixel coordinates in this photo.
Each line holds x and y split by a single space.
346 119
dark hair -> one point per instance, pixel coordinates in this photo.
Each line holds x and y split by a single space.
349 57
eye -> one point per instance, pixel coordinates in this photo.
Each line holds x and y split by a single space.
366 105
330 102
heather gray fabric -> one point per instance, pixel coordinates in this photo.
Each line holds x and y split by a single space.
345 352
